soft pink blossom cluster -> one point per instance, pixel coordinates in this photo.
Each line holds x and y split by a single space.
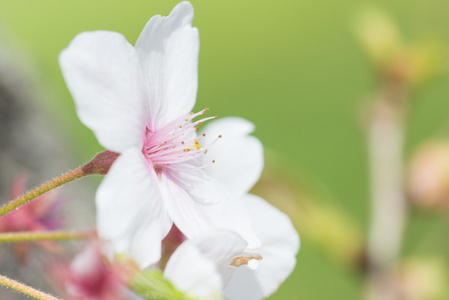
40 215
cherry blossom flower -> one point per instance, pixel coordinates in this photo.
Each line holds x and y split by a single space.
218 265
137 101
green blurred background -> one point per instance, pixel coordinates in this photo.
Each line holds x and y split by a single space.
293 67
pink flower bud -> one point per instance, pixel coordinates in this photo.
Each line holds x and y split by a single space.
90 275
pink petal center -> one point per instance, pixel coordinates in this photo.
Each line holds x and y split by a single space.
176 142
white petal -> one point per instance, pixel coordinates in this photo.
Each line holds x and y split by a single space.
193 273
280 243
102 73
130 210
168 52
195 265
238 156
197 203
221 246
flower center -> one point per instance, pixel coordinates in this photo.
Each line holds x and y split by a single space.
176 142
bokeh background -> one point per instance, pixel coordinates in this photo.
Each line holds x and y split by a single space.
296 68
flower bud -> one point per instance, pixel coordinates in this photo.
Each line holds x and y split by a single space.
412 63
90 275
428 179
378 35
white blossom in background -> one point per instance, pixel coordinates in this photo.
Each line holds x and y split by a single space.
280 244
137 101
218 265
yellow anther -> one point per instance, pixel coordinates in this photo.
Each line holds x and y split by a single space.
197 145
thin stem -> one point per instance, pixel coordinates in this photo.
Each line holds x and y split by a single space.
29 236
70 176
100 164
22 288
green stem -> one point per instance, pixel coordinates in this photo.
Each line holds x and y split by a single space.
70 176
29 236
22 288
100 164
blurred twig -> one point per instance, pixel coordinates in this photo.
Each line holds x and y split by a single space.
401 67
386 135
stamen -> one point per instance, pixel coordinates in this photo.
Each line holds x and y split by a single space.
184 169
243 260
168 146
197 145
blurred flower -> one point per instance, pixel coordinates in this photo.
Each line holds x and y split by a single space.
137 102
90 276
422 278
426 60
379 35
219 264
428 179
39 215
411 63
